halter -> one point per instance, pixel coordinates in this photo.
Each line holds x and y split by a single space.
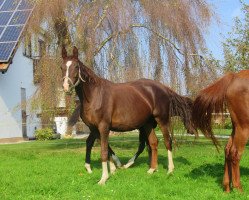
77 82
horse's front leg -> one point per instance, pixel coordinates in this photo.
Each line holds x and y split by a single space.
89 144
104 134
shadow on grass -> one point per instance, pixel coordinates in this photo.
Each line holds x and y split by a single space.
215 171
182 160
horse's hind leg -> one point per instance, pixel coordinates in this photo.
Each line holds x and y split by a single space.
113 157
239 141
153 142
168 143
227 167
142 141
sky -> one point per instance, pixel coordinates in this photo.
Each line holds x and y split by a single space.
226 10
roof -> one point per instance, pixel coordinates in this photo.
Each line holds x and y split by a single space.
14 15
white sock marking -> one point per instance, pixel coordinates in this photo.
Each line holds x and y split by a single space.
105 175
112 167
151 171
170 162
88 168
130 162
116 160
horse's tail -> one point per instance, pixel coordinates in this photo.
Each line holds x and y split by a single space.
74 117
210 100
182 106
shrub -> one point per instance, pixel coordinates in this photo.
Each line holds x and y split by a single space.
44 134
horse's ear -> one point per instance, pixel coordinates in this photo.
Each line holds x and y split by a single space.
64 52
75 52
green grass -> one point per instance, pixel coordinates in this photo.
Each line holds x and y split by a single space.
55 170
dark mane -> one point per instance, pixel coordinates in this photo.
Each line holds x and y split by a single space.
89 76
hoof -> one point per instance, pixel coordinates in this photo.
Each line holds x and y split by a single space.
88 168
170 172
151 171
238 188
102 181
227 188
119 165
128 165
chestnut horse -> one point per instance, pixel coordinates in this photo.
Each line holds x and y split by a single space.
232 90
108 106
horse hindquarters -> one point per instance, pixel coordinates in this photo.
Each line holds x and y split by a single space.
238 106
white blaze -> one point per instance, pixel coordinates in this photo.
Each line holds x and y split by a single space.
69 63
65 83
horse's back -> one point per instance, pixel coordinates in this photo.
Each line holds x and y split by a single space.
158 94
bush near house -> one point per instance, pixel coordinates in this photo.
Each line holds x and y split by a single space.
44 134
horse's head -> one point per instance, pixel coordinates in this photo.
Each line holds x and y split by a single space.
70 70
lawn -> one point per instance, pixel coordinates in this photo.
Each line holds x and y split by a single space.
55 170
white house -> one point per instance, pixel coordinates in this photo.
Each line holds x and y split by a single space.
17 67
16 87
16 72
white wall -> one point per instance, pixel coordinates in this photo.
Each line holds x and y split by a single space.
19 75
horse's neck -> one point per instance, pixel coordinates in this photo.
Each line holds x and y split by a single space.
86 91
92 83
79 92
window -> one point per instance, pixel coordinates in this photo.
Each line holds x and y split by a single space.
27 51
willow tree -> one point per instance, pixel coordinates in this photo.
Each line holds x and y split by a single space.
127 39
236 46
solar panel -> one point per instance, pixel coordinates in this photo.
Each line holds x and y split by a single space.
1 2
5 17
20 17
1 30
11 34
14 14
25 5
9 5
6 50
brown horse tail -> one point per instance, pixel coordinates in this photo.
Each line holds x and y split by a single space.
210 100
182 106
75 116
